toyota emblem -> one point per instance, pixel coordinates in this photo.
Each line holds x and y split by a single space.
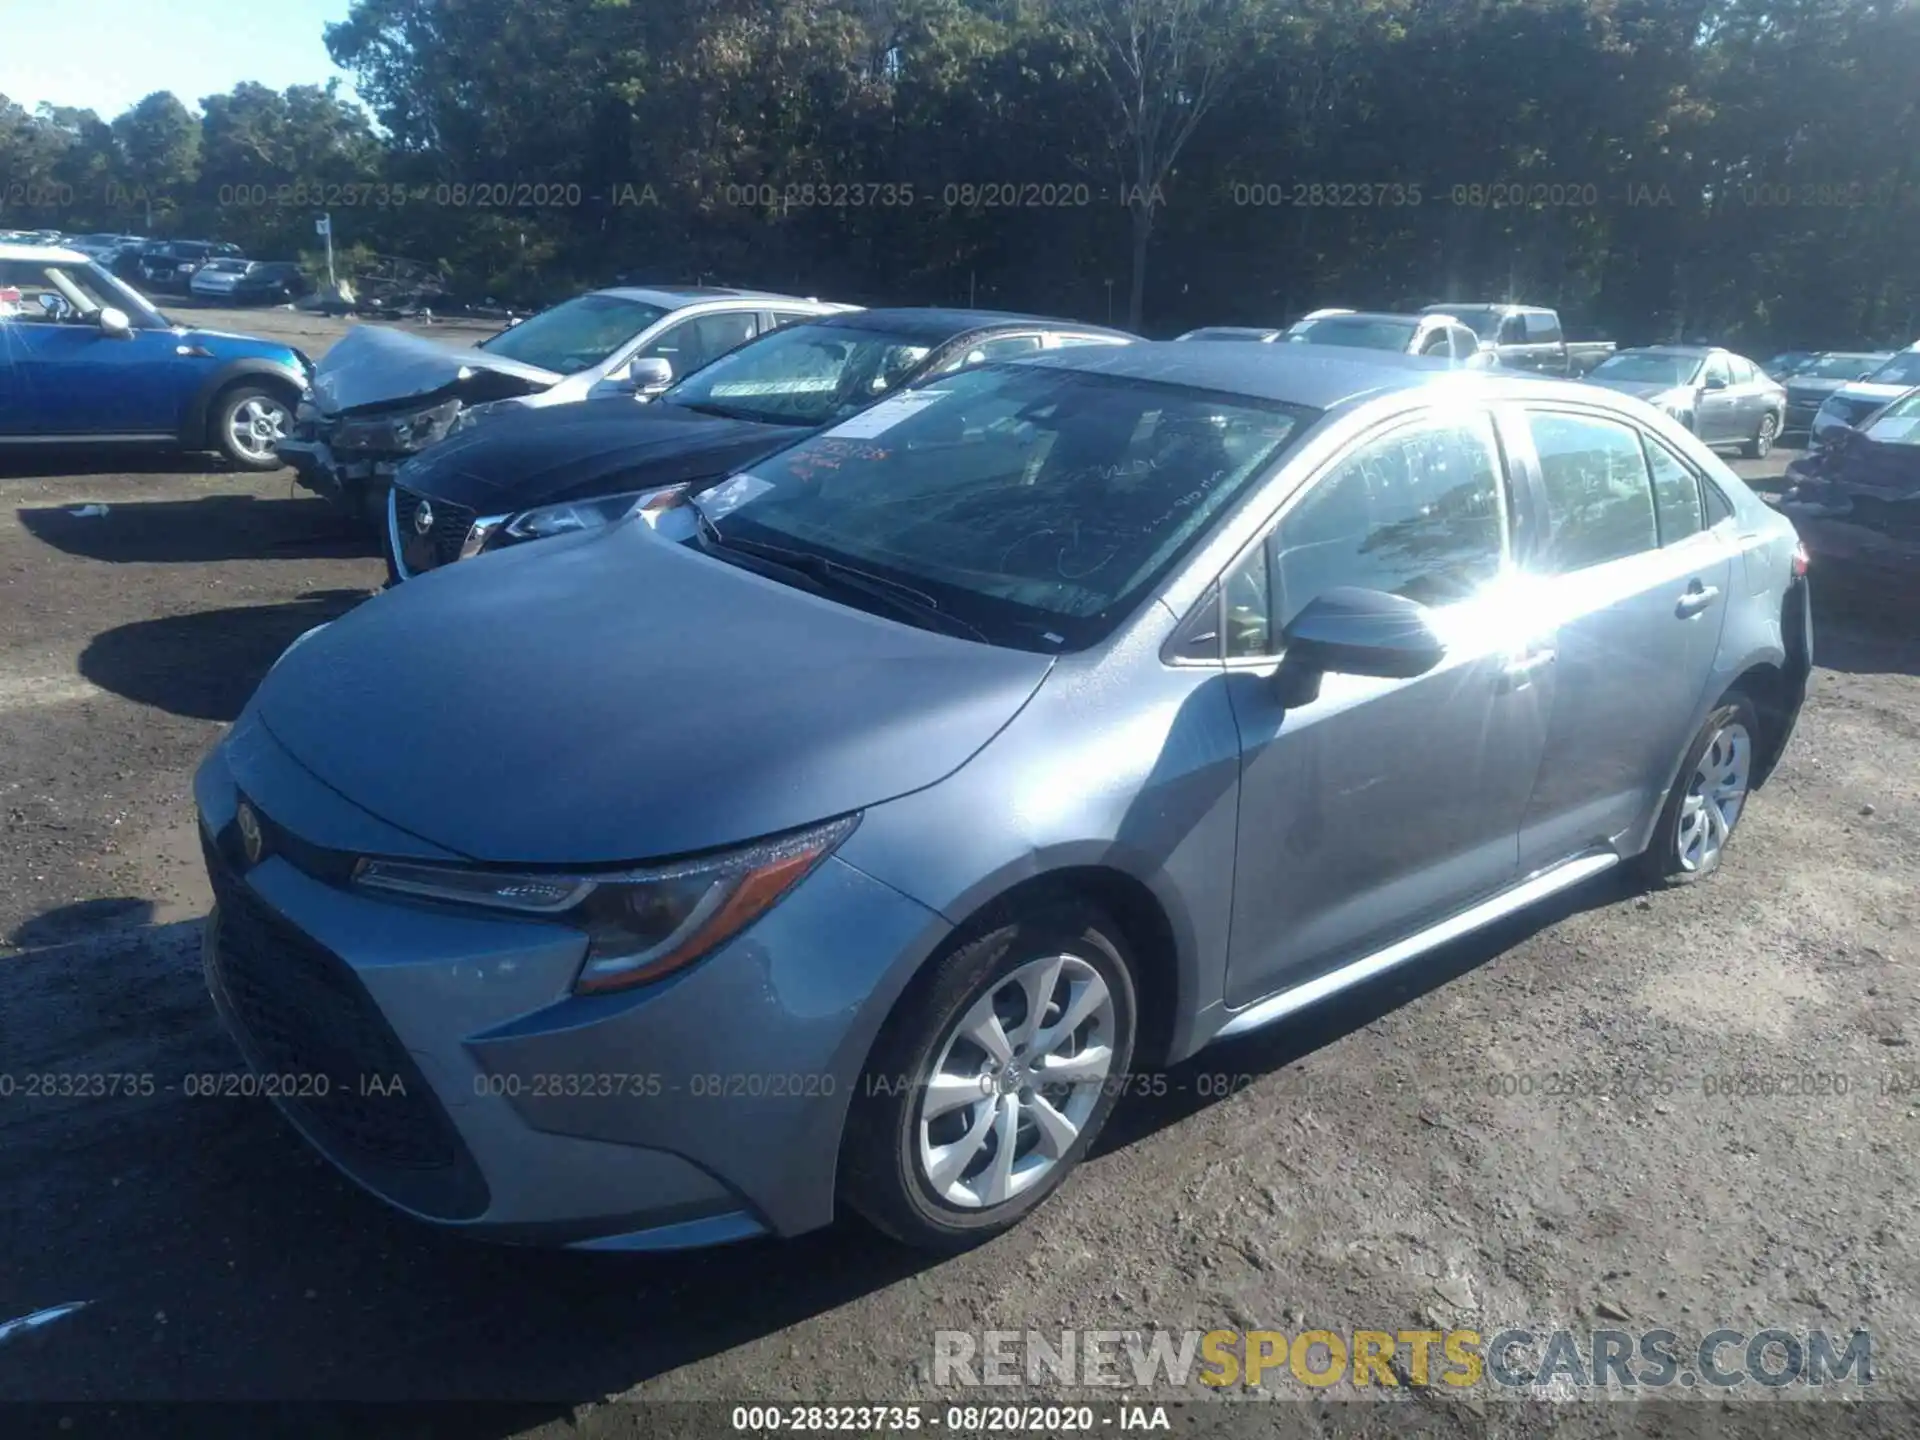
423 518
251 840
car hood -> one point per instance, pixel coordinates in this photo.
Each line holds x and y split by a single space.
614 696
590 448
1862 392
375 366
1798 389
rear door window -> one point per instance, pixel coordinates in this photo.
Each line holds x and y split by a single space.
1676 493
1598 491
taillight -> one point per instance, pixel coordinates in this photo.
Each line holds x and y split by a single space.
1799 559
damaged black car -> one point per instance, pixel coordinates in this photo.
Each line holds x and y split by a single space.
507 475
1867 473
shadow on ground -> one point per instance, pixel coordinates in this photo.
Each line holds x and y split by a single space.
194 532
205 665
1867 629
26 462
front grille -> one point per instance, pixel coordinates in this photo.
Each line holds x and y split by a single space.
303 1014
441 544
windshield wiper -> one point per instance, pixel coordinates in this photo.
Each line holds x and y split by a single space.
822 576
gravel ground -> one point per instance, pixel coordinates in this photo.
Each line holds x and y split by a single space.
1514 1131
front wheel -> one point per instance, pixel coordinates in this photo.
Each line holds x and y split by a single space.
1708 797
1761 445
247 423
992 1079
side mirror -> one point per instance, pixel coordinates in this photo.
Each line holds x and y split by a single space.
648 375
1714 382
114 323
1349 631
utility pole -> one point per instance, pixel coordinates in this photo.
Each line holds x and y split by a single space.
325 226
1109 302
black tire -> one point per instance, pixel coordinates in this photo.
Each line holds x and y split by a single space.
1761 445
1662 862
881 1177
227 406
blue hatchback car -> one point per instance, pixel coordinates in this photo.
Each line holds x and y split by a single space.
84 358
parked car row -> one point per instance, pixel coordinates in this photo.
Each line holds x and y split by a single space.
951 744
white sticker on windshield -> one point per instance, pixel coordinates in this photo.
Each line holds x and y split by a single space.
733 494
878 419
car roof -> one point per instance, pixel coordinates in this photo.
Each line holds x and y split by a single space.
934 323
1696 352
42 252
678 297
1381 315
1261 330
1316 376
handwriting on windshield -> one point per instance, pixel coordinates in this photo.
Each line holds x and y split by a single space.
828 454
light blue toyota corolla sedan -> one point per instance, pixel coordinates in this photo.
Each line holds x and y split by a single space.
1042 724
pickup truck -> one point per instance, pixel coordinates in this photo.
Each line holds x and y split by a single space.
1526 337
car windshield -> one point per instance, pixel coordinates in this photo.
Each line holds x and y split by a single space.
576 335
1899 423
1648 367
1037 505
1356 331
802 375
1483 320
1902 369
1790 363
1837 367
1227 335
227 267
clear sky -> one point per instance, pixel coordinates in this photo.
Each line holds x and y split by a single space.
107 54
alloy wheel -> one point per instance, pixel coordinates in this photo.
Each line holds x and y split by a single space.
1715 796
1015 1081
256 425
1763 442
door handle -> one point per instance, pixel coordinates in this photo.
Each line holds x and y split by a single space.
1697 598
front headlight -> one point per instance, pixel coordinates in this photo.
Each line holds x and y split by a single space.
571 515
401 433
641 924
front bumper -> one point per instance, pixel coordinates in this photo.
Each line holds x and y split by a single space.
707 1107
342 481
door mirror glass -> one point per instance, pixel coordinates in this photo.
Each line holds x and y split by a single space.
114 322
1350 631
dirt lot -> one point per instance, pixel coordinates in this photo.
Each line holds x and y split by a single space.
1515 1131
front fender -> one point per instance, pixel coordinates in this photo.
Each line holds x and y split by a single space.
196 415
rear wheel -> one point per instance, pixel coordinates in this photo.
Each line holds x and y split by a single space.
248 422
992 1078
1709 797
1761 445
